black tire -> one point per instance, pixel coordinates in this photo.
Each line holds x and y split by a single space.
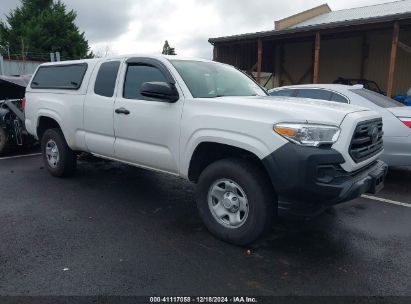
3 141
261 198
67 162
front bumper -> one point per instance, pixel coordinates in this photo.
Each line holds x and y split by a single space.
308 180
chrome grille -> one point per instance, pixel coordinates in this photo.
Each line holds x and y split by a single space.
367 140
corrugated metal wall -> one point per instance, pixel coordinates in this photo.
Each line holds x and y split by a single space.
297 59
15 67
243 56
339 57
402 81
378 61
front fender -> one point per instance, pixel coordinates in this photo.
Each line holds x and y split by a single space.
235 139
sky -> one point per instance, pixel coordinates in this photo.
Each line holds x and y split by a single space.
118 27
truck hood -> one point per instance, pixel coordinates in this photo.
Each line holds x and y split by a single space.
296 109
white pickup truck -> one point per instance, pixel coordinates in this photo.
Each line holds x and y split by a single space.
251 157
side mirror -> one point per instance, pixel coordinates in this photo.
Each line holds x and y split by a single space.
162 91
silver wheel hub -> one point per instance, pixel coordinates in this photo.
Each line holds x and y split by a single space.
52 153
231 202
228 203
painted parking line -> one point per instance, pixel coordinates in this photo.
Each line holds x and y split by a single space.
20 156
374 198
384 200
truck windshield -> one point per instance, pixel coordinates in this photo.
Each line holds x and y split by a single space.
211 79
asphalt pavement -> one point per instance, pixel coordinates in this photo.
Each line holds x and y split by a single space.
118 230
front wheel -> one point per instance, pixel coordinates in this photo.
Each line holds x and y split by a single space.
236 200
58 158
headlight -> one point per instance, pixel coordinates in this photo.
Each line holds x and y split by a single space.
307 134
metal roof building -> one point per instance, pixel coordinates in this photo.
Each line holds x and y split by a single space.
360 13
321 45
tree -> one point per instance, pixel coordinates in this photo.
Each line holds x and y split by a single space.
38 27
167 50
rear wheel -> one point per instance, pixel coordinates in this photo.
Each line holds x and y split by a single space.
3 141
58 158
236 200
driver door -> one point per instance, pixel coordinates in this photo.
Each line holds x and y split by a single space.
147 131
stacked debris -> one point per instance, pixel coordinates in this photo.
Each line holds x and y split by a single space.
12 131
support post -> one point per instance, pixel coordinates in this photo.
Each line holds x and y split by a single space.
277 67
259 59
317 47
393 59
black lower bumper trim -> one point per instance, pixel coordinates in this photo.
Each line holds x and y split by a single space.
307 180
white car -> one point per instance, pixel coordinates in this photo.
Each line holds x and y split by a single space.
211 124
396 116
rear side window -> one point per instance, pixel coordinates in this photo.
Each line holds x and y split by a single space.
378 99
106 79
59 77
338 98
285 92
314 94
136 76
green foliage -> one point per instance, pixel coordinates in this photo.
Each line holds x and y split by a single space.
167 50
41 27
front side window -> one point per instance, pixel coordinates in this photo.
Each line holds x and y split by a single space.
106 79
137 75
314 94
59 77
212 80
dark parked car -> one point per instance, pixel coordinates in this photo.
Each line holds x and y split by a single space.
12 130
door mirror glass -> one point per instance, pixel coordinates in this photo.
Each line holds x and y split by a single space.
161 91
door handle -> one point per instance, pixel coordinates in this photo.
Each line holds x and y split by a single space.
122 111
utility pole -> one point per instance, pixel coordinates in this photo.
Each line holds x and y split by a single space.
1 65
23 56
8 51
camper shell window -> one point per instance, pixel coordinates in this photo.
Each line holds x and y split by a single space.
59 77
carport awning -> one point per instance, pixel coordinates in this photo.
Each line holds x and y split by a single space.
310 29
